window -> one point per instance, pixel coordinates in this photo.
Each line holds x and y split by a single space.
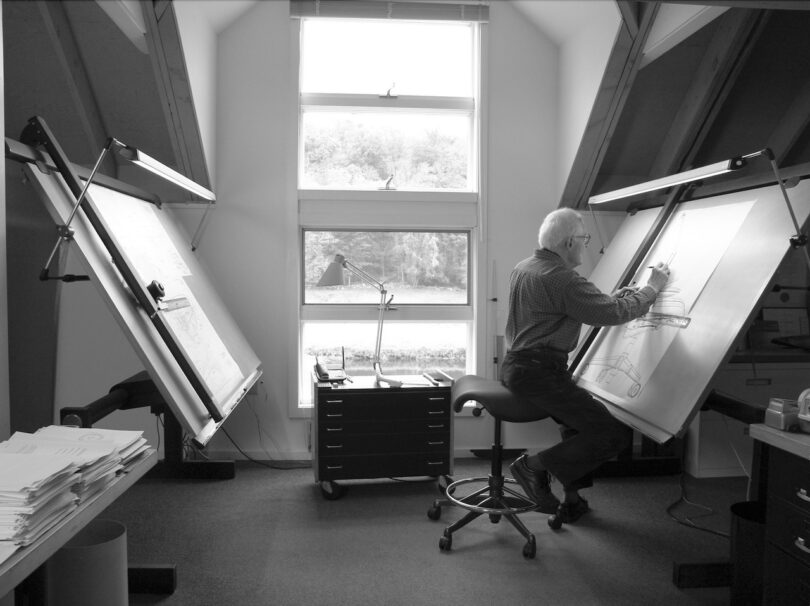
388 166
378 111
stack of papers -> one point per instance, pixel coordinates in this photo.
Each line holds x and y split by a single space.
35 493
45 475
97 462
130 445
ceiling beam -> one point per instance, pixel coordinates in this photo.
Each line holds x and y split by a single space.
776 5
620 73
713 79
629 10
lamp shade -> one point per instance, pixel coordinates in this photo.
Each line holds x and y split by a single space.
333 275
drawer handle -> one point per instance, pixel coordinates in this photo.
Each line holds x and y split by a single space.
334 446
334 401
435 462
802 494
439 426
334 429
439 399
436 443
334 415
800 544
334 466
435 412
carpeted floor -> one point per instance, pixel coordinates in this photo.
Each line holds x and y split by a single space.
268 537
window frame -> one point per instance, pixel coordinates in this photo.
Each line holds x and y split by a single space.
400 210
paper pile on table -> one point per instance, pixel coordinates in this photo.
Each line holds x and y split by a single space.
35 494
130 445
45 475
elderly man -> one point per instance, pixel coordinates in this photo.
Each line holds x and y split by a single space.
548 304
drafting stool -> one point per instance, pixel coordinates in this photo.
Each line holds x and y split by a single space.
497 498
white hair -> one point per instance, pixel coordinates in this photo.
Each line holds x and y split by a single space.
558 226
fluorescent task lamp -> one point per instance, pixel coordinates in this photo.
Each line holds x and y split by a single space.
333 276
161 170
800 240
704 172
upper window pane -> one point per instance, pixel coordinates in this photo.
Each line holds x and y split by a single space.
364 150
373 57
421 267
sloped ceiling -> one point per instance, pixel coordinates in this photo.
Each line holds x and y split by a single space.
738 83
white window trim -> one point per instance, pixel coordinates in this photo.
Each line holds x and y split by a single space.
317 209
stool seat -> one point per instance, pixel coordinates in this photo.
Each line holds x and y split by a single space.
496 497
495 397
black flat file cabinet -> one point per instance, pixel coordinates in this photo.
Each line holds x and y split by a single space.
787 530
362 430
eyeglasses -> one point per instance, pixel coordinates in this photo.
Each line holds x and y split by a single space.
586 237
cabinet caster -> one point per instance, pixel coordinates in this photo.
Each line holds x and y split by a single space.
435 512
554 522
530 549
446 542
332 491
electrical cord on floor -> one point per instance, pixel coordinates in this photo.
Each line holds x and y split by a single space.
687 520
271 464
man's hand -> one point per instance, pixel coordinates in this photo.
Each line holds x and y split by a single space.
659 276
625 291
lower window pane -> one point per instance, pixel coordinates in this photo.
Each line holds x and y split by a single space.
407 348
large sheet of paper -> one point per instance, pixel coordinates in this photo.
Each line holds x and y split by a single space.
693 244
654 373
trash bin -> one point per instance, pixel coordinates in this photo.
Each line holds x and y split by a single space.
91 568
747 548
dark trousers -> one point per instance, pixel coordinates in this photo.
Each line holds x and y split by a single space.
590 434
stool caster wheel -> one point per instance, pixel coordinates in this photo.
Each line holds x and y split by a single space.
494 518
435 512
446 542
332 491
530 549
554 522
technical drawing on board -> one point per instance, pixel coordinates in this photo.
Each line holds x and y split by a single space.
655 372
154 257
692 246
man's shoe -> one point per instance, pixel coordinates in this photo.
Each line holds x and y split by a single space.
568 513
535 484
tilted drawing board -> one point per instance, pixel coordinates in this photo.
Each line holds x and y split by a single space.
723 251
200 324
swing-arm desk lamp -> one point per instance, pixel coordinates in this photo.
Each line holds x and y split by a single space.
333 276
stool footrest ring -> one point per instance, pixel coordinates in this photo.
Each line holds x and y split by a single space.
512 502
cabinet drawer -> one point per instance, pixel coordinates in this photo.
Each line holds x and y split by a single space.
789 479
358 407
787 581
337 427
402 465
382 443
788 528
